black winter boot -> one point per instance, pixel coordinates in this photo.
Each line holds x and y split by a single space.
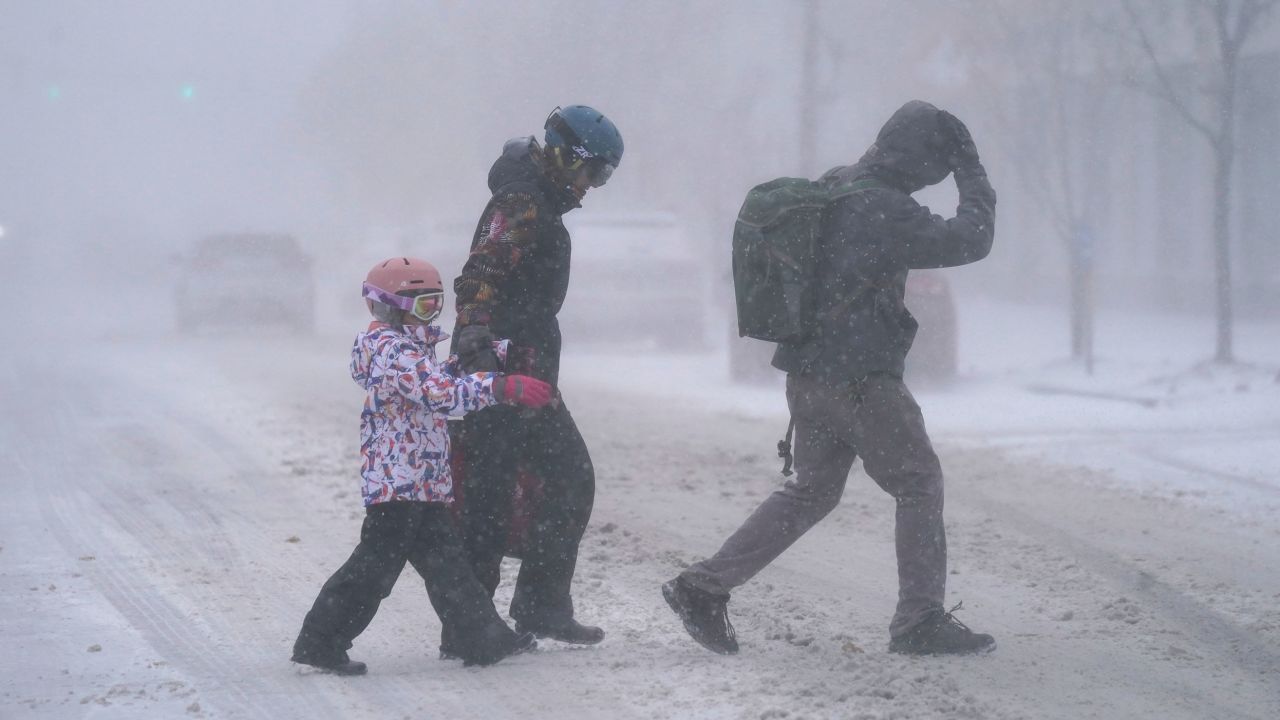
336 663
566 631
942 634
495 646
450 646
705 616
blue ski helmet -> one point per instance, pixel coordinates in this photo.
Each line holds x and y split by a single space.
582 135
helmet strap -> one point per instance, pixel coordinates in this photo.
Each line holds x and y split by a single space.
562 161
560 173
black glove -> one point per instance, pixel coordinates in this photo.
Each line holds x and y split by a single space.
521 359
962 153
475 349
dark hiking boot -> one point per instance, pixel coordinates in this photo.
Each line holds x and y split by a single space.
338 664
449 652
942 634
496 650
705 616
566 631
450 644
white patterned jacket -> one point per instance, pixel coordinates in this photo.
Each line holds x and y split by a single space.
404 438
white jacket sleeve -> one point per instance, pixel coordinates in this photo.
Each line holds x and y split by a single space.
413 375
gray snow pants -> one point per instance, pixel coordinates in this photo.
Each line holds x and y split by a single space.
878 419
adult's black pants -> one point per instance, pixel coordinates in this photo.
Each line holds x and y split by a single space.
546 442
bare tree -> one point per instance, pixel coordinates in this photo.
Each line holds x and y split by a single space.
1220 29
1045 58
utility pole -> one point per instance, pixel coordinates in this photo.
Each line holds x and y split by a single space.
809 89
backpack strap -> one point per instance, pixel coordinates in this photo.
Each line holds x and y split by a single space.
842 191
784 447
849 188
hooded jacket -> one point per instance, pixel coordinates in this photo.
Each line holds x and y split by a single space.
404 438
517 275
872 238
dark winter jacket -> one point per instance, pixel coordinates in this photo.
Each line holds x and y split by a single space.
873 237
517 275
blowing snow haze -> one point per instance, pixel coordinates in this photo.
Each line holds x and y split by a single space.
191 193
367 129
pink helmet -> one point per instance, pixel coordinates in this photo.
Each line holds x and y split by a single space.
400 275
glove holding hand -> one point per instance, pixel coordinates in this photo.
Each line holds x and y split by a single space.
522 390
475 349
521 360
963 153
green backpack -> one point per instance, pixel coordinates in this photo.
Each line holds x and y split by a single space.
776 244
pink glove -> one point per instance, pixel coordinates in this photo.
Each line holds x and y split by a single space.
522 390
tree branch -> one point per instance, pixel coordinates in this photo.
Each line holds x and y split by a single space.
1169 94
1250 14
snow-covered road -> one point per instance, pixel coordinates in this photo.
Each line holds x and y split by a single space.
173 504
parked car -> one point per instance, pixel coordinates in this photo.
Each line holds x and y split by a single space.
245 278
933 356
635 277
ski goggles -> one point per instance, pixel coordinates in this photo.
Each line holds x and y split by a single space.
425 306
598 172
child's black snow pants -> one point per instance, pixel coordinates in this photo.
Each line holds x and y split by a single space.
396 532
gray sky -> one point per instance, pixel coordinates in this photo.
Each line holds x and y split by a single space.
145 119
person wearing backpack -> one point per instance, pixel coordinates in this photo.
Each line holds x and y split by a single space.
833 300
512 285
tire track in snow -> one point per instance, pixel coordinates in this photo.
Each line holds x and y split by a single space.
1196 469
75 524
80 521
172 632
130 536
1202 625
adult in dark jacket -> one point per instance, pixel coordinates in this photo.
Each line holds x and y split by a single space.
845 388
512 286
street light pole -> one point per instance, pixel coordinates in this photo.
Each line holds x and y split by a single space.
809 89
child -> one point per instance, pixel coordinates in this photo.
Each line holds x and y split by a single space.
407 485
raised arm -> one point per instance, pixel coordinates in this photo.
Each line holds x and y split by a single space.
924 240
921 239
